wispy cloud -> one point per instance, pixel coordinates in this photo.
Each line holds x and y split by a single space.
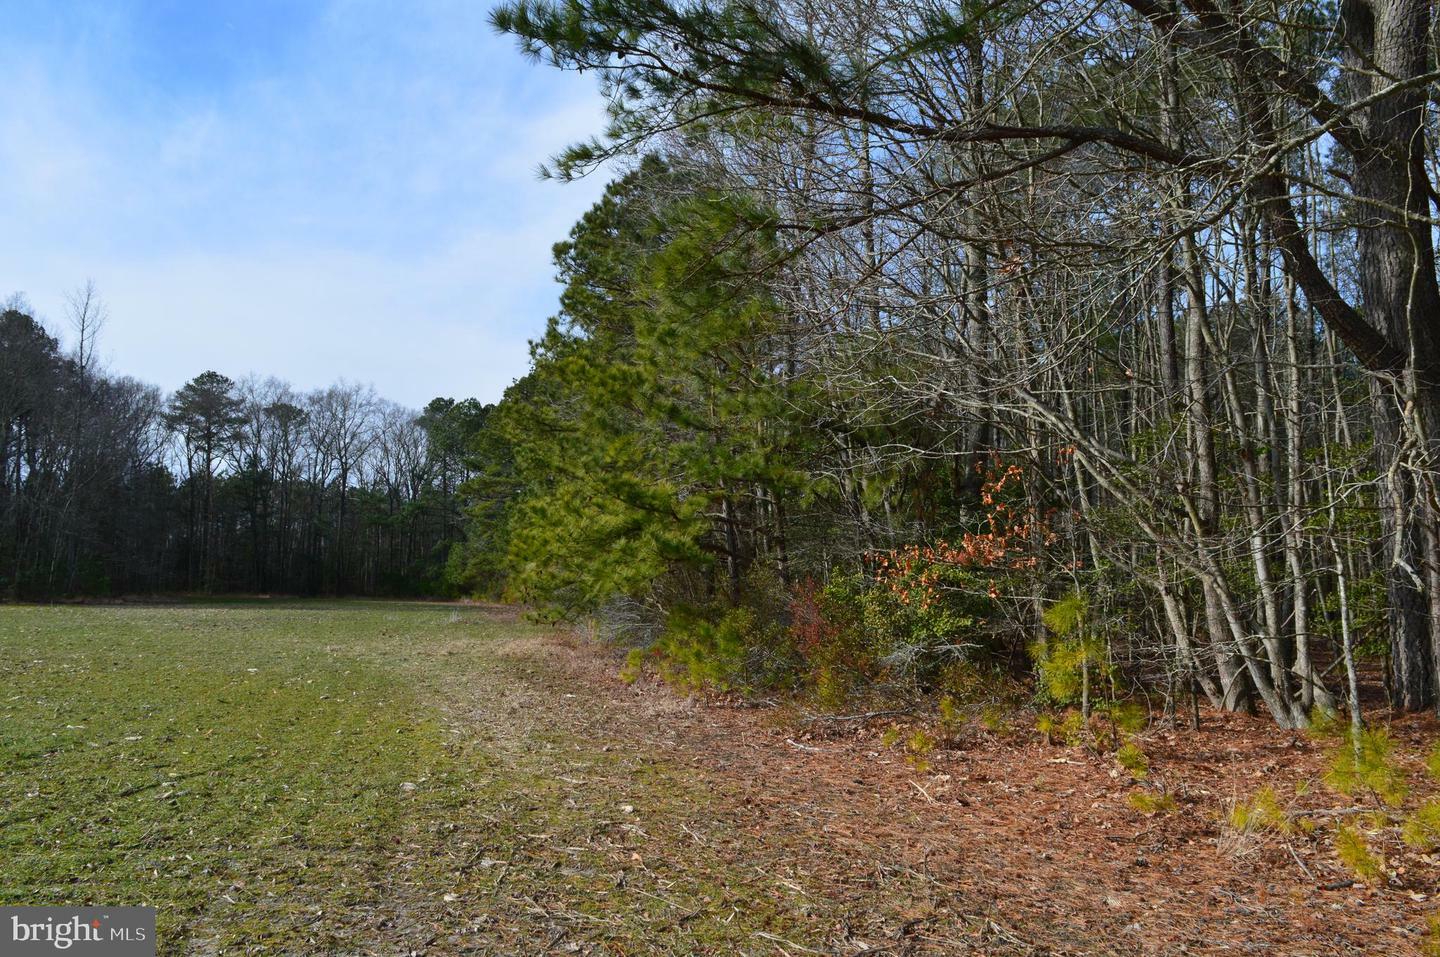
346 192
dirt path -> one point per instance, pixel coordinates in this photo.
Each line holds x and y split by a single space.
838 846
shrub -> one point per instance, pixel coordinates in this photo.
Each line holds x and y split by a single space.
828 634
968 682
830 689
705 651
853 631
929 606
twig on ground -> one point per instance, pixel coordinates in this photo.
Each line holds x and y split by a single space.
1299 863
776 939
864 716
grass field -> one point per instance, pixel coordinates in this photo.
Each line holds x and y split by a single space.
335 778
400 778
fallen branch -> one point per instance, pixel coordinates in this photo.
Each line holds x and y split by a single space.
858 717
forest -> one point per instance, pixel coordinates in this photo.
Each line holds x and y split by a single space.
111 488
924 345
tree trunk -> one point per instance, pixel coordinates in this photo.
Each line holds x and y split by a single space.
1387 40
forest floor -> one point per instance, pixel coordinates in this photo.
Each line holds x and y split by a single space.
396 778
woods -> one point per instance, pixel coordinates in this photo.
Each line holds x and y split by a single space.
911 320
110 488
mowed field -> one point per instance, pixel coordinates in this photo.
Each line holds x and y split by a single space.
365 778
405 778
342 777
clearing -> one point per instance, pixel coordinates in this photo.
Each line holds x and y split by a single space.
389 778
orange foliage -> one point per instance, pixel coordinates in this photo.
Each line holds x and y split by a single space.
913 572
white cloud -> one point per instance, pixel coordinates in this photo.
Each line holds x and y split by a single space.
364 206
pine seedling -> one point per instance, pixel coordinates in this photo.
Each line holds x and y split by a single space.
1133 759
1045 724
1421 830
992 719
634 666
1355 853
919 742
918 745
952 719
1367 767
1129 717
1431 945
1072 728
1432 763
1325 725
1150 803
1262 813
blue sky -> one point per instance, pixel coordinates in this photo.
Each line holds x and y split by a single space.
310 190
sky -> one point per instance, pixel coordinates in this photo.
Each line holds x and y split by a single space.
307 189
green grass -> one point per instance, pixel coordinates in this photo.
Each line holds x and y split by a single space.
282 777
194 757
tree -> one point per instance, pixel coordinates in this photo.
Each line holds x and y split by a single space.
651 435
207 415
342 421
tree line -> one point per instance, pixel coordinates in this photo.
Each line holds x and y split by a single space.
924 340
110 487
